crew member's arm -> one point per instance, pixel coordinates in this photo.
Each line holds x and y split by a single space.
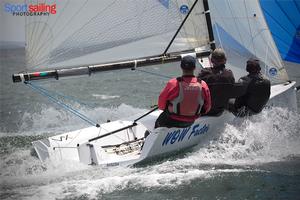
204 73
168 93
231 76
206 97
241 100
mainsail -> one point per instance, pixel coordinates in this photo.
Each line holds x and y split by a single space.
91 36
93 32
84 37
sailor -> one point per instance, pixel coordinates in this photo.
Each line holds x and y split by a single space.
184 98
220 82
258 89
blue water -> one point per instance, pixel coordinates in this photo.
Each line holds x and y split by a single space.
259 158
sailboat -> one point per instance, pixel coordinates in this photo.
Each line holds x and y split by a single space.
88 37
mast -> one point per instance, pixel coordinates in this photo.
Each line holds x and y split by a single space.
209 25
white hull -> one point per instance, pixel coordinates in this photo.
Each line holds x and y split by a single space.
129 146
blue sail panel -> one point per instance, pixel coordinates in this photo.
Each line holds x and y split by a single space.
227 41
165 3
283 18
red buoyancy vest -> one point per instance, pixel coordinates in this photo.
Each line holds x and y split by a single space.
189 101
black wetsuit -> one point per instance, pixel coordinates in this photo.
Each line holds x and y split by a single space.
256 97
220 82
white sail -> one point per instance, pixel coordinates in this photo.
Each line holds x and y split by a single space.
240 28
93 31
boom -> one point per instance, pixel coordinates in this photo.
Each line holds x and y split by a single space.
82 70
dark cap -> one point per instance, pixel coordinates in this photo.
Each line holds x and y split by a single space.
218 54
188 63
253 65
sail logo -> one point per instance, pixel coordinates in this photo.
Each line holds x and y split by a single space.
184 9
273 71
180 134
30 9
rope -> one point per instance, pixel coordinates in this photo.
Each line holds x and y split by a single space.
155 74
45 93
70 98
251 34
65 96
161 75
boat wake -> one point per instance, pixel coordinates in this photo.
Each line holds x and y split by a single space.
244 145
104 97
51 121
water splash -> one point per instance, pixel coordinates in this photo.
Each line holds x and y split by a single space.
273 135
51 121
104 97
270 136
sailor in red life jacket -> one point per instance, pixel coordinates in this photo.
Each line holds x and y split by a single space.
184 98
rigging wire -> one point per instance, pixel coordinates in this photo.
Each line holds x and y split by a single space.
178 30
70 98
251 34
153 73
47 94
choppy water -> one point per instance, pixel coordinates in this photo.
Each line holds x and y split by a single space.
258 158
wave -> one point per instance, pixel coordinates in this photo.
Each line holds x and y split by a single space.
272 136
104 97
51 121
